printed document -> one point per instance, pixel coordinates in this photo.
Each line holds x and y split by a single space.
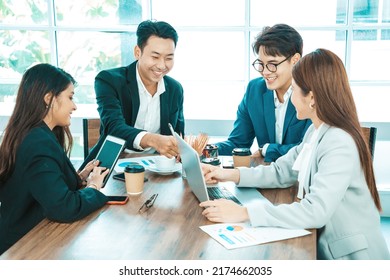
237 235
146 162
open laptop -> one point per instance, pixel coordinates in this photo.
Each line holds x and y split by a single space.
193 170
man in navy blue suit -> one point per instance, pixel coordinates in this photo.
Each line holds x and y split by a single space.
136 102
266 112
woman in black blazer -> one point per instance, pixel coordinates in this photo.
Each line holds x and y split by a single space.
37 179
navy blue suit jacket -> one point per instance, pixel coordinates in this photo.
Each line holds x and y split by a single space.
118 102
256 119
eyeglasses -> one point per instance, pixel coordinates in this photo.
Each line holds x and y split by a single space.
149 203
272 67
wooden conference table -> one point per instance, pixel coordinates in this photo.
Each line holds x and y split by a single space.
167 231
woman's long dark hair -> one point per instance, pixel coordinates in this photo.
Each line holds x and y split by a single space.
30 110
323 73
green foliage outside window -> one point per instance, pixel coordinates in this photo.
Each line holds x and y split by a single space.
81 52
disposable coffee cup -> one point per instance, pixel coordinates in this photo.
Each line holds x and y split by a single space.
241 157
134 178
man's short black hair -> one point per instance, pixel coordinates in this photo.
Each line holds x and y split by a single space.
149 28
279 40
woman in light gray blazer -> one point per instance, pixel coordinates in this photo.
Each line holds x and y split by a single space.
332 165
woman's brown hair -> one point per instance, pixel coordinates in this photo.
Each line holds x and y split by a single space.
323 73
30 110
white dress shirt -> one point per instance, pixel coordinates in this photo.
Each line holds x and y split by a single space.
280 114
148 117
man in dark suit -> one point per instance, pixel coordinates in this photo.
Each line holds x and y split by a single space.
137 102
266 112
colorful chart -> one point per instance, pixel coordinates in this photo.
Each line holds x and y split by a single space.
126 163
234 228
146 162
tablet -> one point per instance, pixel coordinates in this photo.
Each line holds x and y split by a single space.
109 153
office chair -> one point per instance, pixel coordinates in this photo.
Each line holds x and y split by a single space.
370 137
91 134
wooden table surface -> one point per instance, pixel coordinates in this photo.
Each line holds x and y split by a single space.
167 231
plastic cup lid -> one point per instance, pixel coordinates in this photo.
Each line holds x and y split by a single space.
134 168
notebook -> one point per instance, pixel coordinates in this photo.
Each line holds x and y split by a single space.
193 170
109 153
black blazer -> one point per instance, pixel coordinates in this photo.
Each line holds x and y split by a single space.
44 184
118 102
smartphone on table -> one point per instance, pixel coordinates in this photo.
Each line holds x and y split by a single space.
117 199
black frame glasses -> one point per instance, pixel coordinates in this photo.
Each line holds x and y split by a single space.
272 67
149 203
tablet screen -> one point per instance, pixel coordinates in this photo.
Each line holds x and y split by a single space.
109 153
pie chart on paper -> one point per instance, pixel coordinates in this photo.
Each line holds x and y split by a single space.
124 164
234 228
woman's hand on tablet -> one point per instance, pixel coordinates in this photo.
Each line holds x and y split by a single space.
87 170
96 177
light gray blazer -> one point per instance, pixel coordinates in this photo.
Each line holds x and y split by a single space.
338 202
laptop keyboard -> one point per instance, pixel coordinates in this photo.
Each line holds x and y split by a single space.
221 192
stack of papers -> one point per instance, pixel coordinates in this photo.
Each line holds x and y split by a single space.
237 235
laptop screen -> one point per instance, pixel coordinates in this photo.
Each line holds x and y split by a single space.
192 167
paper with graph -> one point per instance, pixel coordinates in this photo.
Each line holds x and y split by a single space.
237 235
